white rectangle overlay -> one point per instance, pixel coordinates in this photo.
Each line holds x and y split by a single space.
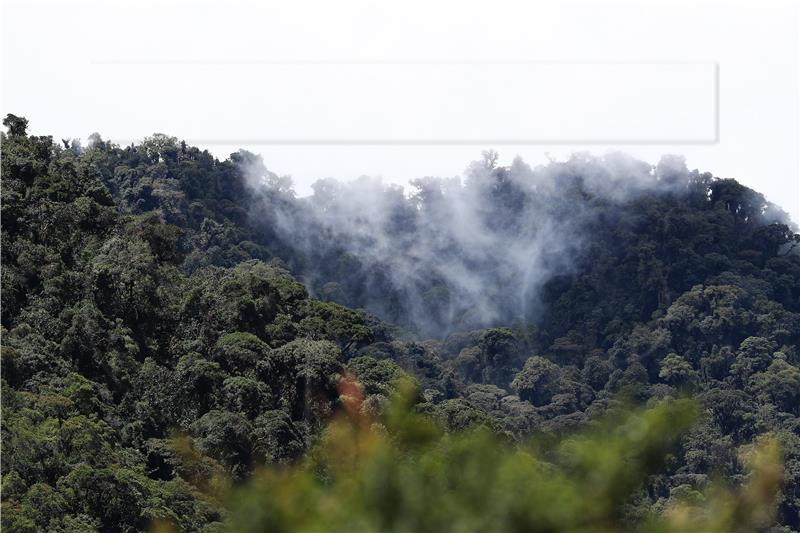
487 102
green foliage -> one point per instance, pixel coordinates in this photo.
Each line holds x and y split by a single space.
538 381
403 473
156 348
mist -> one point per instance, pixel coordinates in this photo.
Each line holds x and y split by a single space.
447 254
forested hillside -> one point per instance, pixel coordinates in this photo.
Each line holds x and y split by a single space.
623 336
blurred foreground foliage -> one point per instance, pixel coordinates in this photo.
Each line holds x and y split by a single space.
401 471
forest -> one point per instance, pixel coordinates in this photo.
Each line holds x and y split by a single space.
598 344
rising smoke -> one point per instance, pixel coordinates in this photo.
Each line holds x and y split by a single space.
451 253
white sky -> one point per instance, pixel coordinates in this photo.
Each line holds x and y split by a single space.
308 77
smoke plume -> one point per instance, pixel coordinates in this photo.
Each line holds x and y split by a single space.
451 253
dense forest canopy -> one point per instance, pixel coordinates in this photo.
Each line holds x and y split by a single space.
451 256
177 330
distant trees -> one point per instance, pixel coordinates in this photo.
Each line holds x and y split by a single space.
17 126
538 381
676 371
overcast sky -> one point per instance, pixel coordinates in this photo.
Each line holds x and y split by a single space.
404 89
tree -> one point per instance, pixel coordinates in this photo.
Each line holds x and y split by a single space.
303 374
225 436
538 381
239 352
779 384
676 371
245 395
276 438
17 126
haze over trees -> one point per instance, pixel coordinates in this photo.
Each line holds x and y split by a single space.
182 337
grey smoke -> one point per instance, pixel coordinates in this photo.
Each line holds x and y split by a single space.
451 253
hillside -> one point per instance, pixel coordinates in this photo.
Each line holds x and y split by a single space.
172 322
